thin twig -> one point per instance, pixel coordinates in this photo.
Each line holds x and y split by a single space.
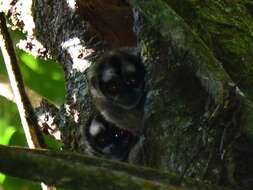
5 89
28 117
6 92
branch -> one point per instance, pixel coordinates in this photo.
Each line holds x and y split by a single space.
48 119
6 91
196 55
173 29
84 172
227 33
28 117
188 88
72 42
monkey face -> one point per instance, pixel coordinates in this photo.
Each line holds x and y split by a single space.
109 140
121 79
116 85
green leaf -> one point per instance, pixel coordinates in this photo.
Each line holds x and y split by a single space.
6 132
2 178
44 77
52 144
14 183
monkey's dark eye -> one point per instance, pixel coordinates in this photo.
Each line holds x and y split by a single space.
121 137
102 140
132 82
114 87
118 134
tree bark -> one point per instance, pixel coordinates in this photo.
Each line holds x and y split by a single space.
199 123
76 171
198 57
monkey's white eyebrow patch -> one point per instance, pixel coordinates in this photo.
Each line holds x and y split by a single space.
74 47
95 128
108 74
71 4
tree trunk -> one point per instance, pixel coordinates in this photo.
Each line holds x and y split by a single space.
198 57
